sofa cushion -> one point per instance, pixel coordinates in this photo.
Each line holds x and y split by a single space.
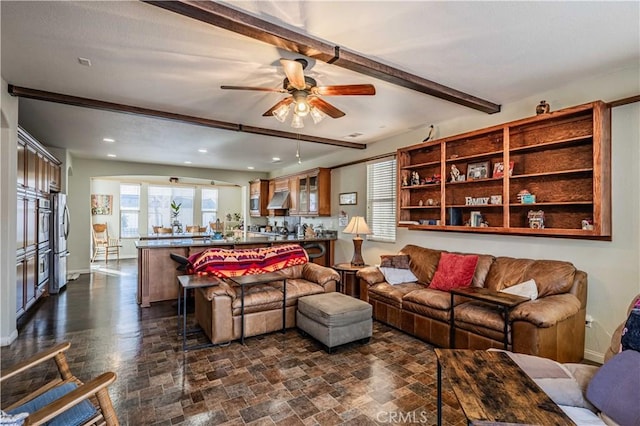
554 379
546 311
506 271
480 314
614 388
257 298
392 294
298 287
398 276
552 276
422 261
454 271
525 289
398 261
430 297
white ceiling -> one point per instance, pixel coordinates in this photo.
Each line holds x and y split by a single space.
145 56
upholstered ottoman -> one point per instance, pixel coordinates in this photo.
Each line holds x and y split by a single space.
334 318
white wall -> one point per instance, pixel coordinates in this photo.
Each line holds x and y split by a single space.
8 211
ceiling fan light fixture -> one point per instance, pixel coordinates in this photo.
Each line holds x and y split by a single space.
281 113
317 115
297 122
301 106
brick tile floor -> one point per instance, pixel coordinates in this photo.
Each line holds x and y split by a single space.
284 379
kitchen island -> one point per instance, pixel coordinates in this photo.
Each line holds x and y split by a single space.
157 274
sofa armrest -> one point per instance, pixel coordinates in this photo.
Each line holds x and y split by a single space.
221 289
371 275
546 311
319 274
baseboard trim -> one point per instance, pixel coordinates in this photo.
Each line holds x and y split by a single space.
7 340
594 356
78 271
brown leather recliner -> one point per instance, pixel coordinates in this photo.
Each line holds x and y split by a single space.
218 307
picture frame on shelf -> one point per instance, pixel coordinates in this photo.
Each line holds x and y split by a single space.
476 219
498 169
348 198
478 170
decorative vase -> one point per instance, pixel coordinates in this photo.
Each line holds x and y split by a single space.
542 108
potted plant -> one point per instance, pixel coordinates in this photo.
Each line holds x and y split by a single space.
175 212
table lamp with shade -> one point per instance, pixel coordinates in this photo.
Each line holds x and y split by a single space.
357 226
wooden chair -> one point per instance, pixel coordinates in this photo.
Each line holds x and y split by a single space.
65 398
165 231
103 244
192 229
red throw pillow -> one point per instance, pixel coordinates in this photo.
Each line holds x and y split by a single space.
454 271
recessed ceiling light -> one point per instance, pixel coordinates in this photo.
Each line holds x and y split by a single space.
187 162
111 155
110 140
276 158
250 167
202 150
84 61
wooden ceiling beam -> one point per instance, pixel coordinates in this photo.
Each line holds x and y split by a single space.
242 23
42 95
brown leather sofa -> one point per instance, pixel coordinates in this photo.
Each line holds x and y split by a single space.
218 307
552 326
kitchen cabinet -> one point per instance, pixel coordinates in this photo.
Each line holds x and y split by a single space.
38 170
31 168
55 175
258 197
22 164
312 193
547 175
26 282
38 173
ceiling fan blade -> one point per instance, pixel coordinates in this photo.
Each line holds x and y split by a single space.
325 107
260 89
293 71
285 101
348 89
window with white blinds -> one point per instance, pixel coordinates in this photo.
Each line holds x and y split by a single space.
381 200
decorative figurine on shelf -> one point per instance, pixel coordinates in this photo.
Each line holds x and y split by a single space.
455 173
430 134
415 178
405 181
542 108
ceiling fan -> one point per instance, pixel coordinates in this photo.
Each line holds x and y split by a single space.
306 95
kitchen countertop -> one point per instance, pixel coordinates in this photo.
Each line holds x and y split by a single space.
188 241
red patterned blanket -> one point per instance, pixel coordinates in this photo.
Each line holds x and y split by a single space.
225 263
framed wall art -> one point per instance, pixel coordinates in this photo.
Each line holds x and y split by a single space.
348 198
101 204
478 170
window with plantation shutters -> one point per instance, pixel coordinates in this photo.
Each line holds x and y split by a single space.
381 200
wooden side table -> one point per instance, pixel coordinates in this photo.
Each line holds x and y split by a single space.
348 280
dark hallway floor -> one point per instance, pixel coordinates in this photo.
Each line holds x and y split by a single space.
274 379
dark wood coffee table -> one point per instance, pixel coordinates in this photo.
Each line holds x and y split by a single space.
493 390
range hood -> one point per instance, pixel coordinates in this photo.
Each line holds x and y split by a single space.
279 201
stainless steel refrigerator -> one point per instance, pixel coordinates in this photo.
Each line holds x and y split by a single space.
59 235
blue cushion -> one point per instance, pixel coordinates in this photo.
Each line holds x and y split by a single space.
76 415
